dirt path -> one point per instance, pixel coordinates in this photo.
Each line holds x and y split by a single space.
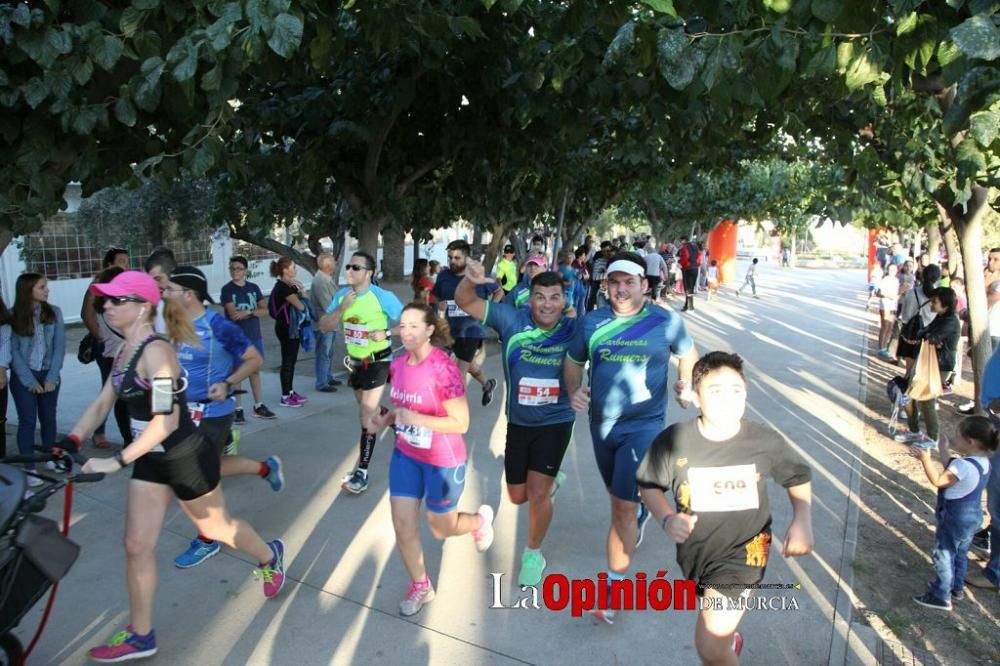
896 537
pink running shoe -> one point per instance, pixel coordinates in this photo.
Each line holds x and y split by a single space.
418 595
273 574
301 399
484 535
124 646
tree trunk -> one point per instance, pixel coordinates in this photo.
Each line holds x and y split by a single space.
303 259
934 241
477 241
499 231
562 218
368 231
393 253
520 248
970 233
950 241
6 236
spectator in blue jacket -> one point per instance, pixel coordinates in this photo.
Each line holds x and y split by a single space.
38 344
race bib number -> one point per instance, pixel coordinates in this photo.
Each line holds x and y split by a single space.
533 392
455 311
197 411
356 334
732 488
138 427
416 436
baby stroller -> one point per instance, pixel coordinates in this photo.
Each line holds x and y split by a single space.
34 554
896 389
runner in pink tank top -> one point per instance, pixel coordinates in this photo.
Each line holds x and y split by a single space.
430 414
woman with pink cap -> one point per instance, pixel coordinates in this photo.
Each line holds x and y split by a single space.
170 458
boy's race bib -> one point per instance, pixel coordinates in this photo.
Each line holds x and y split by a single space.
731 488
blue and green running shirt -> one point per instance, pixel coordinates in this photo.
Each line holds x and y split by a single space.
519 296
629 361
532 365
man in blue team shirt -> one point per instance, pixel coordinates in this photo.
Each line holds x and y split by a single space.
245 305
466 331
539 416
987 540
628 344
224 358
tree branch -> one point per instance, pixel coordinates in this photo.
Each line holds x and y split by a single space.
303 259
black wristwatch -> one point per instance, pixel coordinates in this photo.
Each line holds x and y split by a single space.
120 460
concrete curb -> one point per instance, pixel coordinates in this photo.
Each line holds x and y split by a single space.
846 640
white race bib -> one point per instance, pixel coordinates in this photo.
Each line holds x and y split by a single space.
732 488
416 436
355 334
138 427
532 392
455 311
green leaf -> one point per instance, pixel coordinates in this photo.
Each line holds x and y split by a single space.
465 25
125 112
131 21
145 4
670 45
35 91
106 50
978 38
59 82
827 11
823 62
287 35
662 6
185 54
82 70
21 15
488 4
862 71
84 120
620 46
212 79
59 40
907 25
4 81
845 55
969 159
984 127
201 161
778 6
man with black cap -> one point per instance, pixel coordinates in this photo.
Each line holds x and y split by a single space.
224 358
507 270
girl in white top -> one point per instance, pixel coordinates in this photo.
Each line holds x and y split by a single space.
888 292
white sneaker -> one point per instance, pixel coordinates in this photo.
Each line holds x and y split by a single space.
34 481
484 535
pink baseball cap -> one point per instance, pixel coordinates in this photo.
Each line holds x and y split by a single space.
130 283
538 259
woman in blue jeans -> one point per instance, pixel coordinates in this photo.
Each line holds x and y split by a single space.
4 373
38 343
959 510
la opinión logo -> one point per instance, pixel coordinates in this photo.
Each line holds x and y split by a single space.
584 594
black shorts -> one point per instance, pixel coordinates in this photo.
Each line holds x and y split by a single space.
191 468
536 449
217 430
465 348
654 285
369 376
732 576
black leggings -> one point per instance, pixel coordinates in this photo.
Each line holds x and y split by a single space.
289 355
121 409
690 276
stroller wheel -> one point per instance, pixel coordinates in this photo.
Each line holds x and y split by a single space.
11 650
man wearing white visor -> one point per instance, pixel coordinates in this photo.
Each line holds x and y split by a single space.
628 344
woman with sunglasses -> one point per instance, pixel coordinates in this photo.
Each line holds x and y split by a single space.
171 458
366 311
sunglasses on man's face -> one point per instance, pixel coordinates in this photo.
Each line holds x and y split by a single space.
121 300
356 267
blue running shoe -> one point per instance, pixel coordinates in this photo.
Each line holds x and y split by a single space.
275 476
197 552
643 518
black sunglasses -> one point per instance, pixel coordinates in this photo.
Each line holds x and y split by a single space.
121 300
356 267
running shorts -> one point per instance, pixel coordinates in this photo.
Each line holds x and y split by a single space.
259 346
217 430
191 468
619 454
465 348
439 487
736 572
536 449
654 285
370 376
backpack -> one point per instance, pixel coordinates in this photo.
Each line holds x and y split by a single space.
896 389
275 311
911 329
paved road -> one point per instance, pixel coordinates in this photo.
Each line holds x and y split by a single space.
802 342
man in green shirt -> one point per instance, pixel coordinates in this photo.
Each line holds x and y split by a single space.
507 270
